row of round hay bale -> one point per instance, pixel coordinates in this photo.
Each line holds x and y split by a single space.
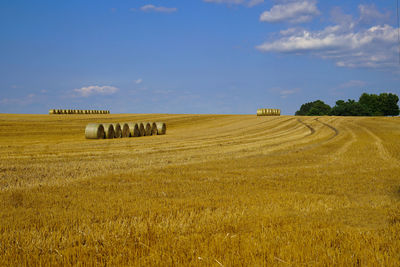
77 111
122 130
268 112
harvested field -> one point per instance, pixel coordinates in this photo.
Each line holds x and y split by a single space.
215 190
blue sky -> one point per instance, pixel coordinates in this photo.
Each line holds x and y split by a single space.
195 56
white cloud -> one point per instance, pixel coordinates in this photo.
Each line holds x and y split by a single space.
372 47
284 93
369 14
293 12
94 89
139 81
28 99
164 92
350 42
352 84
249 3
160 9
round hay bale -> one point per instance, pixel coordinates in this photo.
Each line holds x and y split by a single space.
161 128
94 131
52 111
259 112
125 129
147 128
142 128
117 130
154 130
134 130
108 130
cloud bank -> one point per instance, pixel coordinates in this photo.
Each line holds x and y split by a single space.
159 9
249 3
96 90
293 12
351 44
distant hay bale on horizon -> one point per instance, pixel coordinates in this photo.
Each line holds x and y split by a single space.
134 130
161 128
94 131
108 130
268 112
77 111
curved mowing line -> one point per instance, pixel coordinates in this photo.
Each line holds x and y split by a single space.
312 130
330 127
383 153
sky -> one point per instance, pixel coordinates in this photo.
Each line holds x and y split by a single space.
194 56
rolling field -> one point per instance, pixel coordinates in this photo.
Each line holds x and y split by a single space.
216 190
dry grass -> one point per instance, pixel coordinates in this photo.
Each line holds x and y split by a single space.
215 190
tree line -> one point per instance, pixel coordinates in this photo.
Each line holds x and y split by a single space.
384 104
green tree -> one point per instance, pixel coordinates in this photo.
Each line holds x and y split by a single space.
349 108
388 104
316 108
372 103
384 104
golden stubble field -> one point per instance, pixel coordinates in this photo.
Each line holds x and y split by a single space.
217 190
